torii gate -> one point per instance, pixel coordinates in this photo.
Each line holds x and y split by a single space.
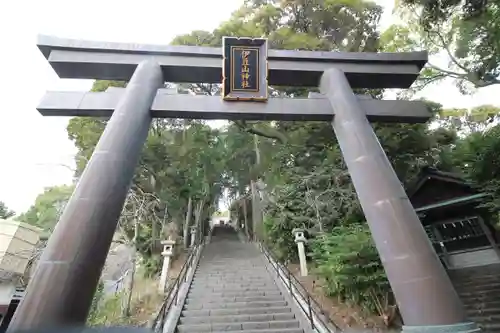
63 285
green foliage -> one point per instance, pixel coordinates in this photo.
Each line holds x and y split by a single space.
310 185
108 312
152 265
347 260
94 308
48 207
5 212
276 239
476 156
339 25
467 32
465 121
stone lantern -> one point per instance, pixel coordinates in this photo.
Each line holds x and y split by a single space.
193 235
167 253
300 240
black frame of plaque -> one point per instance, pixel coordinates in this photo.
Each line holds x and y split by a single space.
259 93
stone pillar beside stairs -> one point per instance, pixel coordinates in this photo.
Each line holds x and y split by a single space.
300 240
168 251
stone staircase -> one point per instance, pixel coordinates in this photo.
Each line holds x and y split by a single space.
479 289
233 292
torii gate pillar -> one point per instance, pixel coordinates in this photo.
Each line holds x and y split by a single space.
61 291
424 293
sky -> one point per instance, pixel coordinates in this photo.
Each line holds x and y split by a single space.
35 152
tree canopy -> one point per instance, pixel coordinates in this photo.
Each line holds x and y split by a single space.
48 207
5 212
465 33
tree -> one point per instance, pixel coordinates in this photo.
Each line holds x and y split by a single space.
355 272
5 212
465 121
48 207
465 32
476 157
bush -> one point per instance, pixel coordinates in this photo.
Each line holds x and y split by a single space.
152 265
279 238
94 308
108 312
348 262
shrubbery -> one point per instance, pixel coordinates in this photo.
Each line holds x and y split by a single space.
347 260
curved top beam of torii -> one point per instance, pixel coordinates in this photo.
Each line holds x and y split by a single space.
80 59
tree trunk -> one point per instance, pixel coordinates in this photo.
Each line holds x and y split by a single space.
133 259
245 218
257 217
187 223
155 231
257 150
197 218
257 212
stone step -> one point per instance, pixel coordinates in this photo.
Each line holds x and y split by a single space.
231 277
475 280
233 291
233 326
232 266
236 273
236 257
223 289
242 285
281 330
249 273
252 273
238 262
218 282
489 287
237 254
490 327
233 281
478 297
485 319
250 256
482 305
242 272
257 292
235 305
233 270
211 299
234 312
237 318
